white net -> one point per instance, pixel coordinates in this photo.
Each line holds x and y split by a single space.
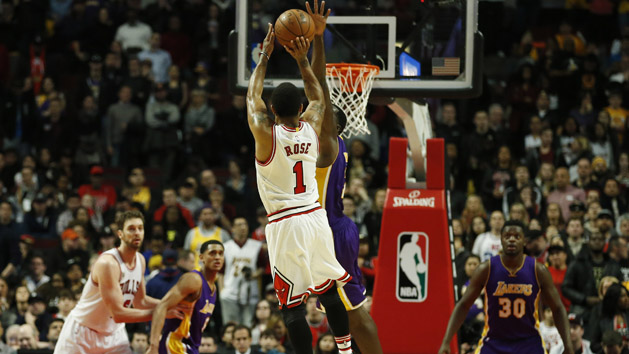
349 90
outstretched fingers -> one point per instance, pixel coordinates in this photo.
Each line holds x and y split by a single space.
269 41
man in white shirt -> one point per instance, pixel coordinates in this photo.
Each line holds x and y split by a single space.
549 331
133 33
37 276
239 287
488 243
580 345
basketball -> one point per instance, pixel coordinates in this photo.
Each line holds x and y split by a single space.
292 24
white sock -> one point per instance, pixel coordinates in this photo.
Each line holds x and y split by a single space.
344 343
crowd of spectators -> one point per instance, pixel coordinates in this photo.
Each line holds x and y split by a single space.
112 105
547 143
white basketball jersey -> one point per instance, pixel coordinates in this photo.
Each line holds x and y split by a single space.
287 179
236 287
91 311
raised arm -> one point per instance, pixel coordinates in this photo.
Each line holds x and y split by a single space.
550 297
189 284
329 146
316 106
259 122
106 274
477 283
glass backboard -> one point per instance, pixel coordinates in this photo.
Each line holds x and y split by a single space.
430 49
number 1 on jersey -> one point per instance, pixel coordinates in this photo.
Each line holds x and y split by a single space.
298 170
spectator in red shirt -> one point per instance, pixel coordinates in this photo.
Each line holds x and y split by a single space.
259 233
317 322
104 194
557 257
177 43
169 198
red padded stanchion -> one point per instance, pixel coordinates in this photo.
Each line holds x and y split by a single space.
414 293
435 163
397 163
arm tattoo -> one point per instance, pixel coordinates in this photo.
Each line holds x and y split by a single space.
319 108
260 118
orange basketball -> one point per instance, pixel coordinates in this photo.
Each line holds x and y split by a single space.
292 24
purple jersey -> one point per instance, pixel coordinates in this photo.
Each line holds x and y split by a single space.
184 336
511 309
331 183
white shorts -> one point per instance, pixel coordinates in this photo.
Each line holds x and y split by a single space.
301 252
78 339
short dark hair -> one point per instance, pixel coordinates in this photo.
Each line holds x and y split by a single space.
341 118
240 327
66 294
512 222
128 215
227 326
209 335
139 332
268 333
473 256
286 100
207 244
56 319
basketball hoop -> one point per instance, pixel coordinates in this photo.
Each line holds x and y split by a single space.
350 85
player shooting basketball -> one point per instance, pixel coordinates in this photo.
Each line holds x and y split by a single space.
331 182
299 238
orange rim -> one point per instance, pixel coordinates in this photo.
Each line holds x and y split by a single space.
356 70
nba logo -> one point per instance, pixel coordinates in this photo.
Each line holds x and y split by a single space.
256 49
412 267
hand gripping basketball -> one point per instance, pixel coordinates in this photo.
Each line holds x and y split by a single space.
298 48
319 16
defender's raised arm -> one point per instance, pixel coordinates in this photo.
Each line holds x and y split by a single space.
329 132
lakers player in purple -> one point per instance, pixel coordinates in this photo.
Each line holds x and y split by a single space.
195 292
331 185
514 285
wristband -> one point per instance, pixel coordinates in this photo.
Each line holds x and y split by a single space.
266 55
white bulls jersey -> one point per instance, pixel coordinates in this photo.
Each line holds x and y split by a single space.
287 179
91 311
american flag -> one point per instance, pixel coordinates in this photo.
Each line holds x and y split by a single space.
446 66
